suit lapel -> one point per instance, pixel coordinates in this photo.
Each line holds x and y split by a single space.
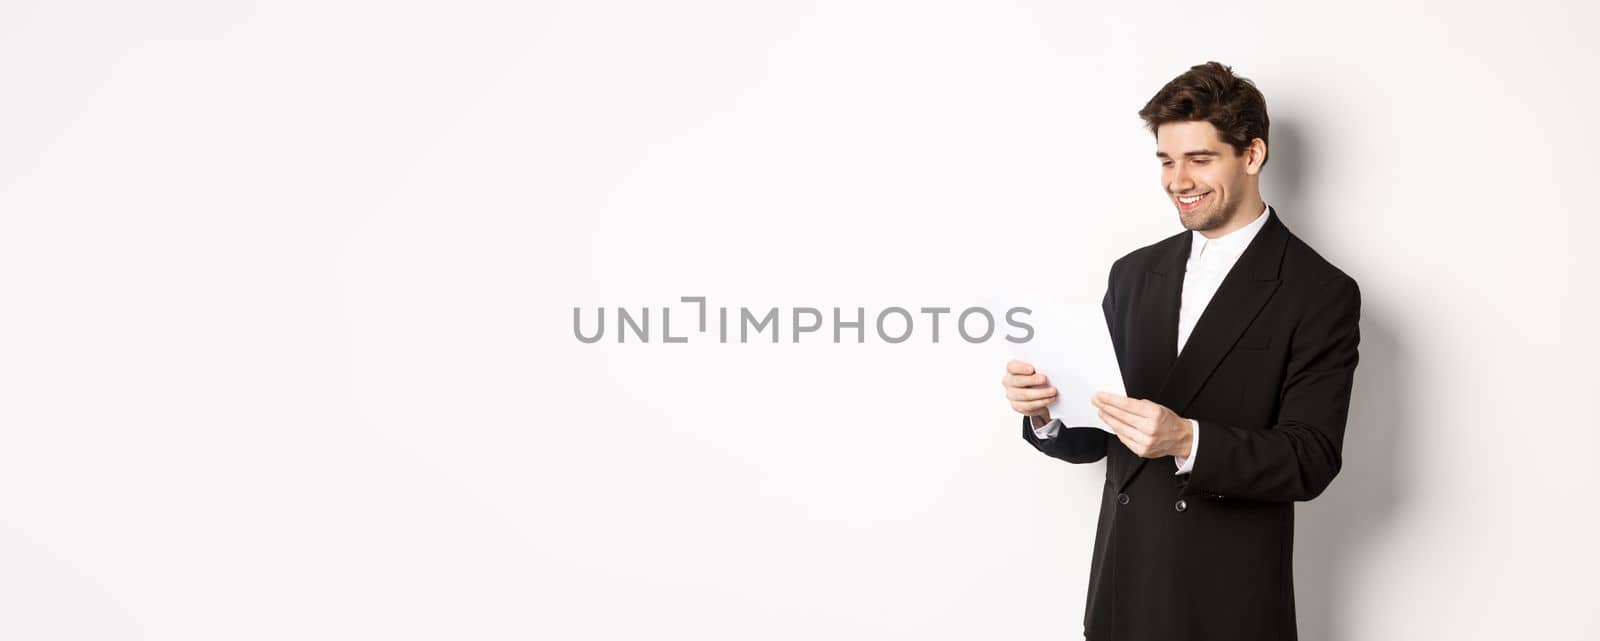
1176 377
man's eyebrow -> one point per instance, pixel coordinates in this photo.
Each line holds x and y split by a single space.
1190 154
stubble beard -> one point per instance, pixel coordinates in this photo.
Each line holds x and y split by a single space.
1209 218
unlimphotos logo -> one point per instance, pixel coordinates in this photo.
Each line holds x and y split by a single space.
891 324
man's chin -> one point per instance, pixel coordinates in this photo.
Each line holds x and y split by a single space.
1196 221
1201 220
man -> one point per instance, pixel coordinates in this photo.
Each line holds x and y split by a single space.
1237 345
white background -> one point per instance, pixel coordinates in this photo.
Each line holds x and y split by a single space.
287 346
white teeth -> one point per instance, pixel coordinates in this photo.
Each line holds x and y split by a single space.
1189 200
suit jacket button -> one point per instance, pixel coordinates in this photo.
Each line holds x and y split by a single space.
1122 498
1182 505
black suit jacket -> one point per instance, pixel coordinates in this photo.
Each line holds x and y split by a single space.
1267 372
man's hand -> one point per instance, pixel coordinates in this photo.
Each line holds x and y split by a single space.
1146 427
1028 391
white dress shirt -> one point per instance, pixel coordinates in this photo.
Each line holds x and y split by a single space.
1210 260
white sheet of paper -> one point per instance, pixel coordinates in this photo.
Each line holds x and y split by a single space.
1072 347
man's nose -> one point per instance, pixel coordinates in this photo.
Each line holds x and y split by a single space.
1180 181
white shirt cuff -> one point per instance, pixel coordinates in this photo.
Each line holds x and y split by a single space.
1046 431
1186 463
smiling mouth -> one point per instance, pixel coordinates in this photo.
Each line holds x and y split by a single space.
1187 203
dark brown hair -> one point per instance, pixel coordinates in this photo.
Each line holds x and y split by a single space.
1211 92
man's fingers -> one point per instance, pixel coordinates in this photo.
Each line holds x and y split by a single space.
1125 431
1131 405
1030 393
1027 389
1135 421
1127 443
1030 407
1016 380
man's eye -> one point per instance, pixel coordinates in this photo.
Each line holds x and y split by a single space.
1201 162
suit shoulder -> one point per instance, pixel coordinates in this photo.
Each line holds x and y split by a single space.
1304 266
1143 257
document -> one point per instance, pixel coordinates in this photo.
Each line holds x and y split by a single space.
1072 347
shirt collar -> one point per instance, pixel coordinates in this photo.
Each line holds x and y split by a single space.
1231 243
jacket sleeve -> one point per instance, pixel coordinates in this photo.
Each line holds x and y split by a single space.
1071 444
1297 458
1077 444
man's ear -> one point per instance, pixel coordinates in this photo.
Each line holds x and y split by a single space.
1255 156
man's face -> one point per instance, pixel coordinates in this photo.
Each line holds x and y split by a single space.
1202 175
